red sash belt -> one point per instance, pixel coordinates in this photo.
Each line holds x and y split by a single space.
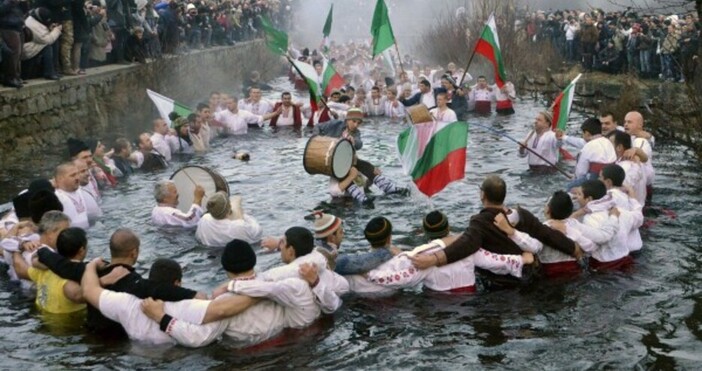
464 289
503 104
483 106
596 167
561 269
613 265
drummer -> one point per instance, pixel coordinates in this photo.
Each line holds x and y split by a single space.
349 129
166 213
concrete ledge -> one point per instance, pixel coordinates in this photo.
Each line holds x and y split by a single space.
111 101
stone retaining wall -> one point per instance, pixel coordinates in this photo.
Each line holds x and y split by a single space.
111 101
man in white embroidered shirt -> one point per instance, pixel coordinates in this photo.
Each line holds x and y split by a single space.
166 213
294 302
237 121
67 180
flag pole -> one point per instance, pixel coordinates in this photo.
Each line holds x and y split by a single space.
504 135
465 71
399 57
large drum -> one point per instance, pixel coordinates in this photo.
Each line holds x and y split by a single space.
328 156
419 114
187 177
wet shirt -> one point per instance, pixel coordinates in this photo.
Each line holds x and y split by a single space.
133 284
50 297
75 206
167 216
219 232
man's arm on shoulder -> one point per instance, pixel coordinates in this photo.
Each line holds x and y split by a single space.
184 333
73 292
531 225
465 245
228 306
61 266
145 288
347 264
90 283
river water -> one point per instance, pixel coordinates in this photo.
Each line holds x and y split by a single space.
648 318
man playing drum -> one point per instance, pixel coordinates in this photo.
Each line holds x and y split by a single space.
349 129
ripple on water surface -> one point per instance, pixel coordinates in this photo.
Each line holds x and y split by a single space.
650 317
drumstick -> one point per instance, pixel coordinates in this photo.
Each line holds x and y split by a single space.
191 179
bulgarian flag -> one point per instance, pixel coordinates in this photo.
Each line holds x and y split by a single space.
331 79
308 73
489 47
434 154
166 105
561 110
562 104
381 29
327 30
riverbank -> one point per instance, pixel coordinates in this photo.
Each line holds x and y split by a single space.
111 101
671 109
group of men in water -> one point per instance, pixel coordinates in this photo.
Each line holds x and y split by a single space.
44 239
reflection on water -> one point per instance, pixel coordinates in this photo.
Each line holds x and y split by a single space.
649 318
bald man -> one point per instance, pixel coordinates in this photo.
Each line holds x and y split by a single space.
67 179
633 125
124 251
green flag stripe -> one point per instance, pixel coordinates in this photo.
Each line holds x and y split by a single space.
328 23
181 110
565 109
452 137
381 29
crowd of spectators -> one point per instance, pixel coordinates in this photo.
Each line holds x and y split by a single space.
55 38
649 45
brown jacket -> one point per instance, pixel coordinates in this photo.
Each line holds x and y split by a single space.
482 232
589 34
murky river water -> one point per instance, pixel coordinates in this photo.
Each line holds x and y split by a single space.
647 319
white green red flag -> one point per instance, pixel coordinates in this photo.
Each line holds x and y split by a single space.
563 104
327 30
561 111
489 47
434 154
331 80
308 73
166 105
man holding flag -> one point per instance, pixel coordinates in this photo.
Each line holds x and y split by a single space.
542 141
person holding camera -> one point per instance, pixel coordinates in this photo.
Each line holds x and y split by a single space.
38 51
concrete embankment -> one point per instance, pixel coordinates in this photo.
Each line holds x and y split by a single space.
111 101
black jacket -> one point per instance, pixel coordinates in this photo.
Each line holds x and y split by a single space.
11 17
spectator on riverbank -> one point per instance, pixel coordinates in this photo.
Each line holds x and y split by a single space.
11 24
38 53
649 45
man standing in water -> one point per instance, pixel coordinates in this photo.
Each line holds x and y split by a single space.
483 232
633 125
166 213
542 141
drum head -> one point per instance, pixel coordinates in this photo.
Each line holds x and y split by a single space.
187 177
343 159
